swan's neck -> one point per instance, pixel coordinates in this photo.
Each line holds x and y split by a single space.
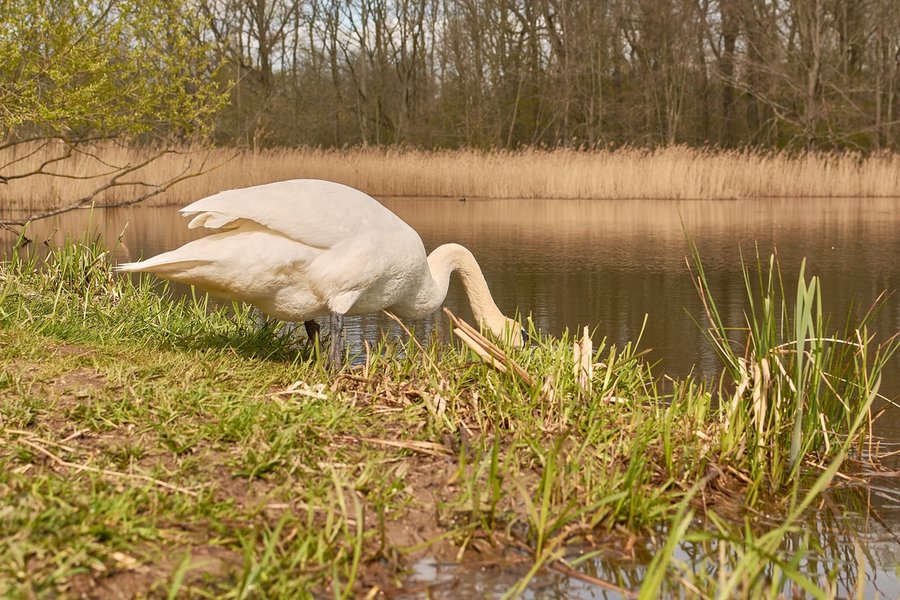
441 263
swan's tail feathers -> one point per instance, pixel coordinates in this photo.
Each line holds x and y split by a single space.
129 267
168 266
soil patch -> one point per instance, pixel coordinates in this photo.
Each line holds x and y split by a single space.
132 579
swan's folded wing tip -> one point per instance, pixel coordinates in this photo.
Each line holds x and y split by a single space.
210 220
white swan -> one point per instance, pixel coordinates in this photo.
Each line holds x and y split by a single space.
305 248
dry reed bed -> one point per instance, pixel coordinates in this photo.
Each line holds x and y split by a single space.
676 173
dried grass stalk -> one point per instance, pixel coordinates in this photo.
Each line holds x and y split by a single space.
582 354
486 349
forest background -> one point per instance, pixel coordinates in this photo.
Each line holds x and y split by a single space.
498 74
814 74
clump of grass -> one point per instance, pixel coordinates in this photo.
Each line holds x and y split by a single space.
791 386
142 433
72 294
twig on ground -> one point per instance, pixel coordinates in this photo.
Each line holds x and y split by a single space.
602 583
429 448
560 567
82 467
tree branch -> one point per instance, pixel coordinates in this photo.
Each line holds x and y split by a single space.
116 180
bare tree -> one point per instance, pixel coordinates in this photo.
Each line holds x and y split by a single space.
505 73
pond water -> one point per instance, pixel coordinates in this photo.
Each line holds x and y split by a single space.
607 265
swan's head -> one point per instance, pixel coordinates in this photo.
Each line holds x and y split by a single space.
509 331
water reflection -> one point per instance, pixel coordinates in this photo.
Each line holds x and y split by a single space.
840 550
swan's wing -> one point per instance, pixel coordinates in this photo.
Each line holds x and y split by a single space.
317 213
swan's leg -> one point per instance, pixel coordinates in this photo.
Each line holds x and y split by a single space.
312 329
260 319
335 351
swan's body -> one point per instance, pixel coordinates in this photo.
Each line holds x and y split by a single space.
305 248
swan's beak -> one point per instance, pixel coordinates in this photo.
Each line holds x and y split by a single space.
514 334
508 331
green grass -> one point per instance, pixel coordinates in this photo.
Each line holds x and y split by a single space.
178 448
791 386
